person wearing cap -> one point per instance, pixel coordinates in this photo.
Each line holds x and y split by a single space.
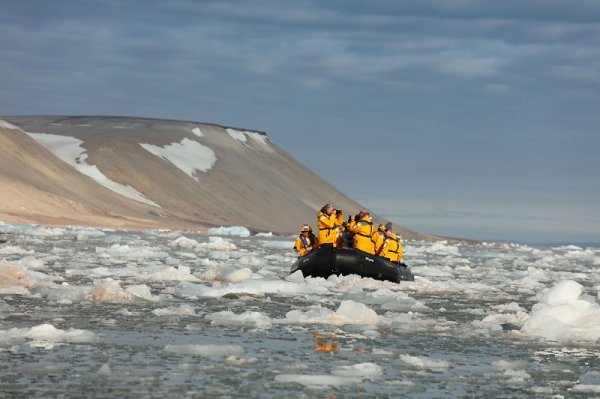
326 222
362 232
306 241
378 237
392 247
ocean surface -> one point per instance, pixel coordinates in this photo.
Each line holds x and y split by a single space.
170 314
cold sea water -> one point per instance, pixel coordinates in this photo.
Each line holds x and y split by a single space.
168 314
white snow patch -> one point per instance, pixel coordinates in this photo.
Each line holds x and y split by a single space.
237 135
70 150
5 125
197 132
188 156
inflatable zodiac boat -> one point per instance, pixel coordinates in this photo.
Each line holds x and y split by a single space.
327 260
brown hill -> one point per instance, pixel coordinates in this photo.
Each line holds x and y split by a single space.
249 181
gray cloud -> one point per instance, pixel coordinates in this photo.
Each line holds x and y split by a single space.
474 101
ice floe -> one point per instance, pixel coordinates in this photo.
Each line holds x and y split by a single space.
563 316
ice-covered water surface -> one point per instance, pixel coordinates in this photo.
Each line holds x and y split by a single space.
87 312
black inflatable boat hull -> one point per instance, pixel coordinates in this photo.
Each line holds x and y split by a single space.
326 261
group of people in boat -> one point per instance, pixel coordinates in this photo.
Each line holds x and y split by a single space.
357 232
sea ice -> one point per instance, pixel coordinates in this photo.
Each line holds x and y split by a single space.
249 318
205 350
561 315
425 363
317 381
239 231
361 370
349 312
45 333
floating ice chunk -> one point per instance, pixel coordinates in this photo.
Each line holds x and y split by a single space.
142 291
586 388
185 242
277 244
317 381
441 248
205 350
239 275
109 291
252 287
45 333
182 310
214 243
125 251
249 318
425 363
49 232
296 277
561 315
240 361
349 312
361 370
14 250
30 262
104 370
513 372
84 234
181 273
269 234
188 156
5 308
19 280
240 231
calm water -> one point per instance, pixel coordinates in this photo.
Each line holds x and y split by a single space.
88 313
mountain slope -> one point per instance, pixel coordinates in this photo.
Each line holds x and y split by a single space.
120 171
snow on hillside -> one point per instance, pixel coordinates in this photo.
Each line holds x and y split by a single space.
188 155
5 125
70 150
244 135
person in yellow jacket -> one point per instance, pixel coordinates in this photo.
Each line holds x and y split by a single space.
326 222
306 241
378 237
362 232
392 247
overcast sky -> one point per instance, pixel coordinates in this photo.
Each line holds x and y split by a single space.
466 118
